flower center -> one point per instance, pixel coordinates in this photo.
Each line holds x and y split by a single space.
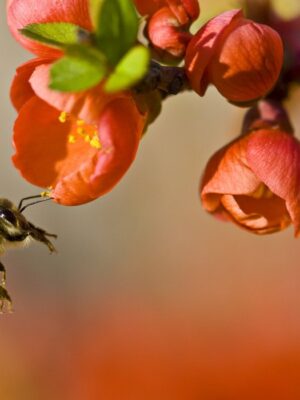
88 132
262 192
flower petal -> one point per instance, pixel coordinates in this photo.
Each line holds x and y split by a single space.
228 173
149 7
184 10
274 156
165 33
241 58
120 131
202 47
40 141
23 12
228 192
259 215
251 72
77 171
86 105
21 90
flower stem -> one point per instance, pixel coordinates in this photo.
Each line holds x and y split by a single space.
169 80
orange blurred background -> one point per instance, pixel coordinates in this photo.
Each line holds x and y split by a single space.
149 297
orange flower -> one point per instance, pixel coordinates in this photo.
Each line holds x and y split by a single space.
242 59
255 180
78 145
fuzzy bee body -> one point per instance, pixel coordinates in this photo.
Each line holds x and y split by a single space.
16 231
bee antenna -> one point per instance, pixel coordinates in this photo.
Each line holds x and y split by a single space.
28 198
37 196
21 209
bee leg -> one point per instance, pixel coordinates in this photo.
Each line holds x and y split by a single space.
41 236
5 300
3 273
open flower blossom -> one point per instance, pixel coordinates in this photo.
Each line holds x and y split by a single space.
241 58
77 145
255 180
168 24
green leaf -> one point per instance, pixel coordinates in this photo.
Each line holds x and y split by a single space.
95 8
58 34
80 69
117 28
130 70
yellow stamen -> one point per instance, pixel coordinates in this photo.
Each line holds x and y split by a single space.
89 133
262 192
95 142
63 117
72 139
45 194
80 131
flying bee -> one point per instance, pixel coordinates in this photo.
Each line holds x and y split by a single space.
16 231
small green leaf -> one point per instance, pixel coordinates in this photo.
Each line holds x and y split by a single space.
58 34
130 70
95 8
80 69
117 28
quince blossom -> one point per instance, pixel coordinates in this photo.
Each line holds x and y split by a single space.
241 58
254 181
77 145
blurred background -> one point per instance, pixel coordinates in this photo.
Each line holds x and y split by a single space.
148 296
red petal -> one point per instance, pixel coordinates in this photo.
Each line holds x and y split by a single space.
228 192
86 105
228 172
184 10
261 216
21 90
252 71
77 171
40 142
274 156
149 7
192 8
120 130
23 12
165 33
202 47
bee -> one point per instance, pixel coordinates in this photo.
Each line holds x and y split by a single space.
17 231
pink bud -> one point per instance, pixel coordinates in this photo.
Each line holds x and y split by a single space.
166 34
242 59
254 181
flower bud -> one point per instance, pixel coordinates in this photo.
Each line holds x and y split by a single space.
166 34
241 58
184 10
254 181
167 27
